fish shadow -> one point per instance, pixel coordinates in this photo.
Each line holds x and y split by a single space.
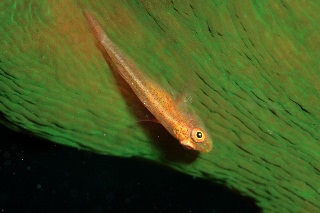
168 146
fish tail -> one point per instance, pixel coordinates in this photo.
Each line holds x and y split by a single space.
96 28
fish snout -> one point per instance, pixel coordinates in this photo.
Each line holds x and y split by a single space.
204 146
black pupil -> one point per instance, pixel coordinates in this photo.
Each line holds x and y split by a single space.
199 134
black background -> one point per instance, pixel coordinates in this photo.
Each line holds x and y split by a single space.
39 176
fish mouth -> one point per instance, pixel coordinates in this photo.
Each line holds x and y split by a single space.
201 147
188 144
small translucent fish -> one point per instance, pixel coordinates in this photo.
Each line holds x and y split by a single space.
184 126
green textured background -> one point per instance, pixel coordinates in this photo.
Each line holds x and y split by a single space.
251 67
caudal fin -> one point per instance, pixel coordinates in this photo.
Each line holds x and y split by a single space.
95 26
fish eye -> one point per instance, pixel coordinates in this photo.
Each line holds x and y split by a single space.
198 135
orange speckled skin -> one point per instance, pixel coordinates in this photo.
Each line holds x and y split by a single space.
157 101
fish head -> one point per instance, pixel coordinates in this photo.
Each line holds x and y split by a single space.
194 138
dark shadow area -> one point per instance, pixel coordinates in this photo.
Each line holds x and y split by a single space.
170 148
40 176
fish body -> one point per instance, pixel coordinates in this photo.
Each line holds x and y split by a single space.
182 125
